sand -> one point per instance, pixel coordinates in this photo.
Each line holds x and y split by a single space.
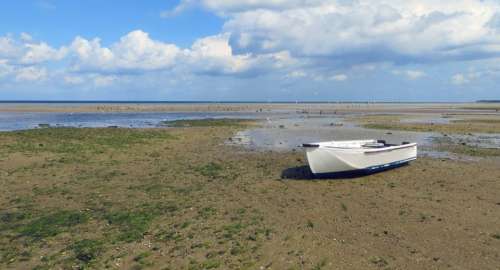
324 108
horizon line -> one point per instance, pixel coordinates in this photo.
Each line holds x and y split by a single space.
236 101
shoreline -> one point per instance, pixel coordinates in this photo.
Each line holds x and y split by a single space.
326 108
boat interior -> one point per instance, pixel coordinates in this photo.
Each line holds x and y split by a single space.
382 144
353 144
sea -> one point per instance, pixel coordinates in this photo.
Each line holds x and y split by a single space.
11 121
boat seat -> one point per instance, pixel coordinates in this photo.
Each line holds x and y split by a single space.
373 145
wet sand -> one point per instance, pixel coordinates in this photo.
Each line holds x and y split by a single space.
313 108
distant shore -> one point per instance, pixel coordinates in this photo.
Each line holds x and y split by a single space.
250 107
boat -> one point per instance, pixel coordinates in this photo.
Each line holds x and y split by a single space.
358 156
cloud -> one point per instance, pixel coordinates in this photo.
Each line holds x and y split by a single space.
31 74
296 74
364 31
8 48
459 79
339 77
465 78
135 51
410 74
315 76
5 69
103 81
225 7
214 55
91 80
73 80
183 5
26 37
25 51
41 52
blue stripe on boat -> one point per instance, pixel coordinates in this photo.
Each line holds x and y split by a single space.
366 171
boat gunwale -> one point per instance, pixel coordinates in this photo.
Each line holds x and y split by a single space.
390 148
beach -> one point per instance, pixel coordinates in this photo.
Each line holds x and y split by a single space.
332 107
236 192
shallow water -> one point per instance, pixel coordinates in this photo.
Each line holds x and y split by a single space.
10 121
288 134
480 140
280 130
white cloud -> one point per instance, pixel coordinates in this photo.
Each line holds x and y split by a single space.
223 7
73 80
103 81
459 79
41 52
414 74
8 48
364 31
315 76
465 78
31 74
92 80
135 51
339 77
183 5
5 69
410 74
296 74
214 55
25 51
26 37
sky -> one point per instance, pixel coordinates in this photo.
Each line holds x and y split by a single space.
250 50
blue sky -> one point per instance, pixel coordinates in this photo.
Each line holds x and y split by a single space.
58 22
256 50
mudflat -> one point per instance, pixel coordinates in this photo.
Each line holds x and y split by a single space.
324 108
181 198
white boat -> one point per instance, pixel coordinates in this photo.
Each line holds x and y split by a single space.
363 156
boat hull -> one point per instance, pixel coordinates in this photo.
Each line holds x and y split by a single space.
330 160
